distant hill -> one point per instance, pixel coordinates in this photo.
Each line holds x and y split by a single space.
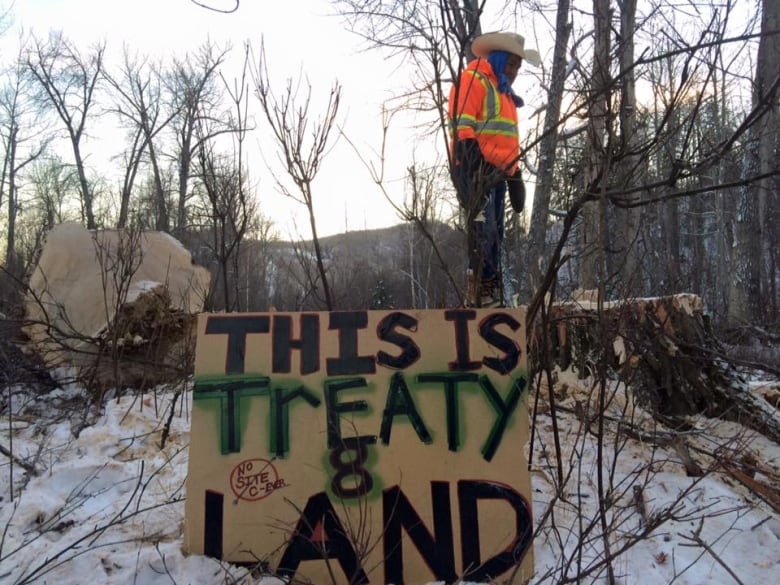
399 260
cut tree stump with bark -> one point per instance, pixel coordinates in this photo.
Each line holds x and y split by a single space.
664 350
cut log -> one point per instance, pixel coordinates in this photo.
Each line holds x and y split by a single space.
118 306
663 349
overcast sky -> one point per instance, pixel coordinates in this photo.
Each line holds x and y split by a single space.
299 35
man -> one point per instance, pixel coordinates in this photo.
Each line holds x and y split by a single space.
485 151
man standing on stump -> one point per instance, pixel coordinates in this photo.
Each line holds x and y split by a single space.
485 150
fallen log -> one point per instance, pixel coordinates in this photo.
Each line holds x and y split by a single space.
663 349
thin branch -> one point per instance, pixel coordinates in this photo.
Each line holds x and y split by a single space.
220 10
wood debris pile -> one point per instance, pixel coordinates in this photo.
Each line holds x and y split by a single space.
117 306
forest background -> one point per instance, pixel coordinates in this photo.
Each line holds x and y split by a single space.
650 149
650 141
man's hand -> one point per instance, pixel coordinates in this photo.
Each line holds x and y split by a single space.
469 157
516 189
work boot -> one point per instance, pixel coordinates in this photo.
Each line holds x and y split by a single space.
490 293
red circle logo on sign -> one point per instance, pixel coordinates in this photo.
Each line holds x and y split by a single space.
255 479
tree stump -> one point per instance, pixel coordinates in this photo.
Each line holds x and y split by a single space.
663 349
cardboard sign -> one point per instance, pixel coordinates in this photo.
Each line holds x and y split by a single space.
362 446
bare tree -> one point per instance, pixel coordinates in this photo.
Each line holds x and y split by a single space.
138 95
423 208
593 234
434 39
54 183
231 209
50 196
760 160
67 80
547 153
25 137
256 278
625 258
303 145
227 213
195 117
652 159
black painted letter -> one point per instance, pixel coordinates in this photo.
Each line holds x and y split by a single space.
236 328
438 553
309 344
461 317
469 493
410 352
319 517
349 362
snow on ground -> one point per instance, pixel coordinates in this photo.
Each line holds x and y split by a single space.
107 505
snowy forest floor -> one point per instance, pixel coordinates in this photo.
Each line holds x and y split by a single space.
93 498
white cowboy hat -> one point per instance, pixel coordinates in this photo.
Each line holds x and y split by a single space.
504 41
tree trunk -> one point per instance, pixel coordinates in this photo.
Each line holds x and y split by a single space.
723 205
670 227
744 285
625 260
86 193
10 162
745 303
768 73
547 155
185 161
596 158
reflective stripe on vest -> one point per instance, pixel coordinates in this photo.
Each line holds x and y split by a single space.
491 122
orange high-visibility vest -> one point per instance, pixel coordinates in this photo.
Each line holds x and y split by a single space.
486 114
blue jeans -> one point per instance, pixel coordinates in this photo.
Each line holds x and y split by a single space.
490 233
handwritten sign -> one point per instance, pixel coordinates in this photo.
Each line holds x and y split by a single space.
362 446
